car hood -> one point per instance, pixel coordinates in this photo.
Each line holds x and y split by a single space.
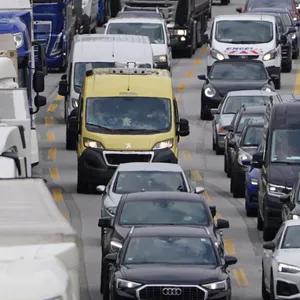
223 87
120 232
289 257
283 174
112 200
250 150
159 49
226 119
166 274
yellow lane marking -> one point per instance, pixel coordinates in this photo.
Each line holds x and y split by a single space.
297 84
52 154
197 61
229 247
217 216
187 155
65 214
203 49
240 277
54 173
57 194
48 121
190 74
52 107
207 197
50 136
59 98
196 175
181 87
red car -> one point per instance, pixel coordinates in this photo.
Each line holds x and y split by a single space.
290 5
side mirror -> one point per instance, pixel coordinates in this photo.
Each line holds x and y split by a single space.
257 160
63 88
222 224
184 127
230 260
111 258
40 101
73 125
199 190
100 188
228 128
38 82
213 211
104 222
297 24
269 246
63 77
246 162
202 77
292 30
205 39
239 10
283 39
214 111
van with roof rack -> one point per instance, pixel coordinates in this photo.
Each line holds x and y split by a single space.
124 115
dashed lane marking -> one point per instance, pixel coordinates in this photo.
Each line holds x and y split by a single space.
48 121
59 98
229 247
52 154
54 173
240 277
52 107
190 74
187 155
57 194
207 197
297 84
197 61
51 136
196 175
181 87
203 49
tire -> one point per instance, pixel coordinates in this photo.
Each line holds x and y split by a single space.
264 293
259 221
231 185
188 52
213 144
105 287
250 212
296 54
287 68
229 169
277 83
204 115
237 191
225 164
82 187
272 295
71 140
219 151
65 111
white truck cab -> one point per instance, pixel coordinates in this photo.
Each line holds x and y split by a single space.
249 37
155 28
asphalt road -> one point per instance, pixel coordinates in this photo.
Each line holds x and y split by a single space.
59 167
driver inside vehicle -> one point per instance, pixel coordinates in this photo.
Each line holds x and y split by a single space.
100 114
155 115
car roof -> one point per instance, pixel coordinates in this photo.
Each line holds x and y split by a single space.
165 230
244 17
251 93
136 19
292 222
270 9
255 123
168 196
137 166
253 109
239 60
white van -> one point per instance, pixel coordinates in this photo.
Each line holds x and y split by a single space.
102 51
249 37
157 31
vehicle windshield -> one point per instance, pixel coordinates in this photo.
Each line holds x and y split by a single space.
128 114
154 31
244 32
163 212
291 238
287 20
234 103
246 118
253 136
79 71
286 146
149 181
238 71
270 3
170 250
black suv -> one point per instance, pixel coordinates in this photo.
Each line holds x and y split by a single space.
241 118
243 149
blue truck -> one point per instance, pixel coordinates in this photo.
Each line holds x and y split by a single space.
55 24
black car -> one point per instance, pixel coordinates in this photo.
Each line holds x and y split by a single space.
157 209
234 130
242 149
232 75
287 47
168 262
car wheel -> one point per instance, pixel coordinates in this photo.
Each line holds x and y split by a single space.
250 212
71 140
219 151
277 83
231 185
272 294
229 169
65 111
237 189
213 144
287 67
264 293
225 164
259 221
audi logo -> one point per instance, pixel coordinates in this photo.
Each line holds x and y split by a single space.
171 291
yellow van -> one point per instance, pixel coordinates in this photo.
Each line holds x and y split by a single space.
124 115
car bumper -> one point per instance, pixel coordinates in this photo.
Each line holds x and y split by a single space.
272 216
287 286
221 141
96 166
251 194
209 103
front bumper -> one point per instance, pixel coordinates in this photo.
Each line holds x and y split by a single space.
251 193
287 286
162 65
272 213
96 166
180 42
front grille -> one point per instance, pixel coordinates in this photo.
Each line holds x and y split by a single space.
286 289
165 293
243 56
114 159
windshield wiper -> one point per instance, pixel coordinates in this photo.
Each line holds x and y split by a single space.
100 127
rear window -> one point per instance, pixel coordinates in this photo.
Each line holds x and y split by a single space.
269 3
253 136
246 118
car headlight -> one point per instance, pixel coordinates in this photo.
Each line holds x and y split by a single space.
295 217
124 284
92 144
54 298
276 190
266 89
215 54
180 32
74 102
270 55
293 36
220 285
163 144
284 268
19 40
242 157
295 19
115 246
160 58
111 210
210 92
254 181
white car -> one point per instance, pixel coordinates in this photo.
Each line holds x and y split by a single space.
154 28
281 263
